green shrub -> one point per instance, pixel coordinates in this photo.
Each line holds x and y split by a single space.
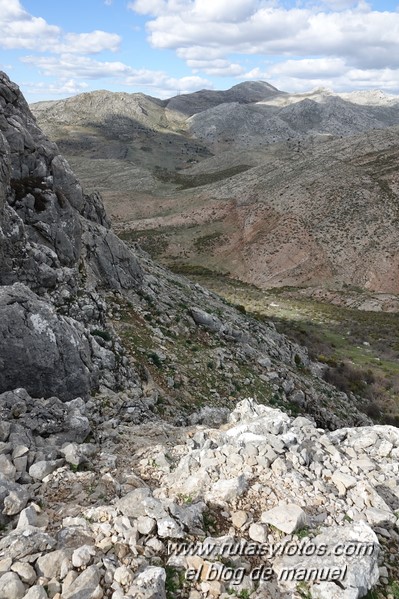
103 334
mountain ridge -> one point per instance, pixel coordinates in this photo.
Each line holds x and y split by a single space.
175 169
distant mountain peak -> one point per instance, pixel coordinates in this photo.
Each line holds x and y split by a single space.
246 92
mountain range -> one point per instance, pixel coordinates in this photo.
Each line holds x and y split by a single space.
271 188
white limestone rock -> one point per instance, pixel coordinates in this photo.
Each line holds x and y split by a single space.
11 586
287 518
226 490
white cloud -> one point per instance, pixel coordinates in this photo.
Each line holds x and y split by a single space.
89 43
156 7
69 87
227 11
218 67
309 68
205 30
332 73
342 4
197 53
20 30
71 67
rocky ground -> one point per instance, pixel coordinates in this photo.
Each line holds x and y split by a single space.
126 425
96 507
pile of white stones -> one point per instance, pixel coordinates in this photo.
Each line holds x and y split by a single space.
264 506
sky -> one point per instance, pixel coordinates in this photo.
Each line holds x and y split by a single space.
167 47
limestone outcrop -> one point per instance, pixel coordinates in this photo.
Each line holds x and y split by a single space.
55 245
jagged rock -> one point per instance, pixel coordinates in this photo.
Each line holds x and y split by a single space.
15 501
131 504
258 532
123 576
209 321
74 454
343 481
330 590
169 529
52 239
7 468
5 565
83 556
189 516
227 489
18 544
27 517
239 518
46 353
109 262
4 431
146 525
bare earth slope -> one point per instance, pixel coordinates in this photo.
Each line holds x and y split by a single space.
273 188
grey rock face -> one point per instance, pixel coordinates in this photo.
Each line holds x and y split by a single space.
46 353
56 241
109 262
206 320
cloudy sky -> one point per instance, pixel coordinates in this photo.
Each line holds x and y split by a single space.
164 47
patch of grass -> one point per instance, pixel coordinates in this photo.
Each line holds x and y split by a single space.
209 522
155 359
348 518
190 181
359 348
174 582
303 590
207 242
184 268
150 240
187 499
302 533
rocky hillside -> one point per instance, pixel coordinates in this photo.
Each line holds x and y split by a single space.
125 426
274 188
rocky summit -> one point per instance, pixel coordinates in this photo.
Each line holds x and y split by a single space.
155 441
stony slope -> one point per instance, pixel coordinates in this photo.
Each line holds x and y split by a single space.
274 188
324 214
105 344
